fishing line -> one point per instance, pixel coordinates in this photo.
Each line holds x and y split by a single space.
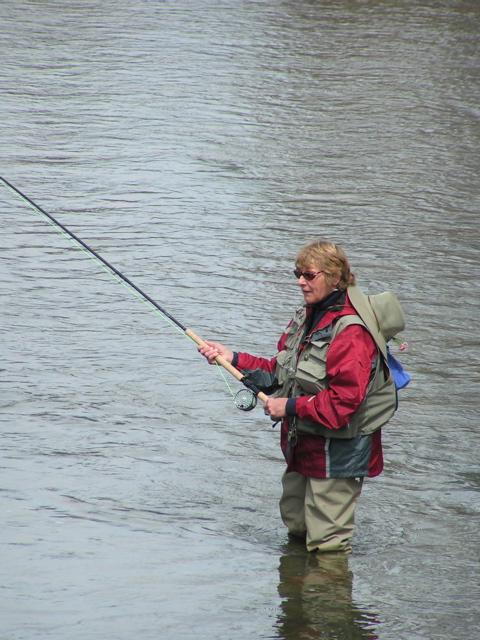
245 399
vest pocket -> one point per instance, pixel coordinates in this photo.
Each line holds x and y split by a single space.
311 373
284 372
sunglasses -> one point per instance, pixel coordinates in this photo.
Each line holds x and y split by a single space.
308 275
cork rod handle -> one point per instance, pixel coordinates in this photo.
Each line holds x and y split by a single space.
222 362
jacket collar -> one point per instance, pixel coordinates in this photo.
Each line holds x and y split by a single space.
320 315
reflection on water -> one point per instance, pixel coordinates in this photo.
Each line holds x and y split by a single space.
316 592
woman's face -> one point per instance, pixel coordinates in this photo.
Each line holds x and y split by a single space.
316 289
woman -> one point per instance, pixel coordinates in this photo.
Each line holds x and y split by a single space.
333 392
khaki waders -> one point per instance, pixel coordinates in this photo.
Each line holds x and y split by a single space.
321 510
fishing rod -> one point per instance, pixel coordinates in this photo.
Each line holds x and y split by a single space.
245 399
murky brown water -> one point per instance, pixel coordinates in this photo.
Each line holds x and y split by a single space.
197 145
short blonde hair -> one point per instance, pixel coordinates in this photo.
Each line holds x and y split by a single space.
328 257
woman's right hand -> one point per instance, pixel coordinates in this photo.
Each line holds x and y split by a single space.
213 349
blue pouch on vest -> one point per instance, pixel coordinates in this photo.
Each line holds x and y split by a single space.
400 376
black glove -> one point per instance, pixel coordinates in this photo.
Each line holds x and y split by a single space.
259 380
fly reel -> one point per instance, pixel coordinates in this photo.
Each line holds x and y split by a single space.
245 399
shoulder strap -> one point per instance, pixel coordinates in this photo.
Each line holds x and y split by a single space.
345 321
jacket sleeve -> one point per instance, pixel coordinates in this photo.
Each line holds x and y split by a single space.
247 362
349 365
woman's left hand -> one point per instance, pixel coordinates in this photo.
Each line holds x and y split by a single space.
275 408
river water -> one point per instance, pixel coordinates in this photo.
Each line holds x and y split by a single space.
197 145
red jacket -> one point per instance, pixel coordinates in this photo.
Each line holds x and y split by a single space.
349 362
